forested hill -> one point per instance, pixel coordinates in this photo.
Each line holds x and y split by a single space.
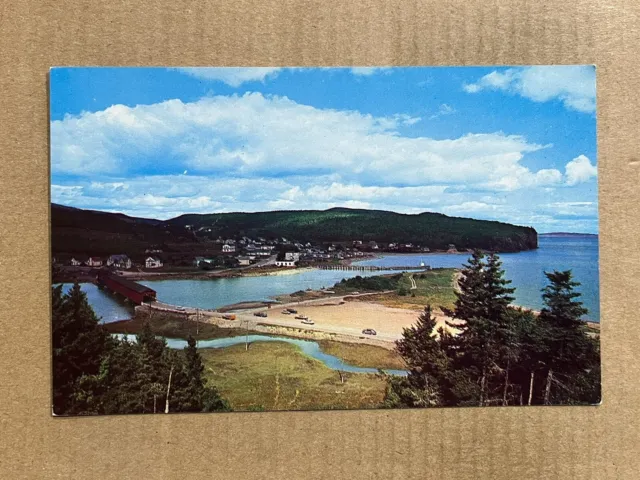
432 230
93 232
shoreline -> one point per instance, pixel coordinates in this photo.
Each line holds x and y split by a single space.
316 294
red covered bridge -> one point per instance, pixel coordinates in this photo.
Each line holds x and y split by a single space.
131 290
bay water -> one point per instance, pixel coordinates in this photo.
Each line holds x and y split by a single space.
524 269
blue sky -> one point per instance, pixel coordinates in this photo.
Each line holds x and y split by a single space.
509 144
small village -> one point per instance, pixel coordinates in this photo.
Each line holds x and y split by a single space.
243 252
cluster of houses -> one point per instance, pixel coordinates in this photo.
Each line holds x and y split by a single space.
248 251
120 261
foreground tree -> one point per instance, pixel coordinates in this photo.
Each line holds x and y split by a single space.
427 365
94 373
501 354
571 353
484 350
79 344
191 392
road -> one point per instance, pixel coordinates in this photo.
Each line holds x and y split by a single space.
246 319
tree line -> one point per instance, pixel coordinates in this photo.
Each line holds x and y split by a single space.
501 354
96 373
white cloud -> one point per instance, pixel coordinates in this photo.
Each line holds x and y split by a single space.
573 85
253 152
232 76
256 136
66 193
580 170
572 209
368 71
443 110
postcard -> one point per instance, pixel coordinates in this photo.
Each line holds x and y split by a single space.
257 239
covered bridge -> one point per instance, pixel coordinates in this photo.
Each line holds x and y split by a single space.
129 289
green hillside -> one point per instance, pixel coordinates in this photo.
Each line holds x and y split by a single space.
432 230
74 230
86 231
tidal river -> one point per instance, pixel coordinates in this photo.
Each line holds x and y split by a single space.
307 347
524 269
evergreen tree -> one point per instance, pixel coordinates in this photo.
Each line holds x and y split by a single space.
572 354
469 297
483 351
501 355
79 343
531 351
191 393
427 364
96 374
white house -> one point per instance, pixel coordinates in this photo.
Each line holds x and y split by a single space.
285 263
119 261
94 262
153 262
292 256
226 248
76 262
244 261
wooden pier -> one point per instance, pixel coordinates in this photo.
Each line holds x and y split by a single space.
371 268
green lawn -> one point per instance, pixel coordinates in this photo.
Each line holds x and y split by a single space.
434 287
277 376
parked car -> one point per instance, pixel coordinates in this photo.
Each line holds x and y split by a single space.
286 312
302 317
291 310
229 316
307 321
369 331
260 314
180 308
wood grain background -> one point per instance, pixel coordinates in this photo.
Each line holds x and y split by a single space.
502 443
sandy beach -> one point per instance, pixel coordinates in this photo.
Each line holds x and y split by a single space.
359 315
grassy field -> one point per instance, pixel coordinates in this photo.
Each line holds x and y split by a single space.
362 355
172 326
277 376
434 287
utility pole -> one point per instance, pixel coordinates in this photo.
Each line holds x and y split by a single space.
166 406
197 322
246 340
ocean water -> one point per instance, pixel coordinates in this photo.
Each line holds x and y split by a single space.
524 269
215 293
108 307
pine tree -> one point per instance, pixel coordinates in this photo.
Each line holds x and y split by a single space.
79 343
193 388
483 351
427 364
96 374
572 354
470 296
191 392
531 350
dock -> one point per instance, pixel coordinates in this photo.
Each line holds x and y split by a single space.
372 268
